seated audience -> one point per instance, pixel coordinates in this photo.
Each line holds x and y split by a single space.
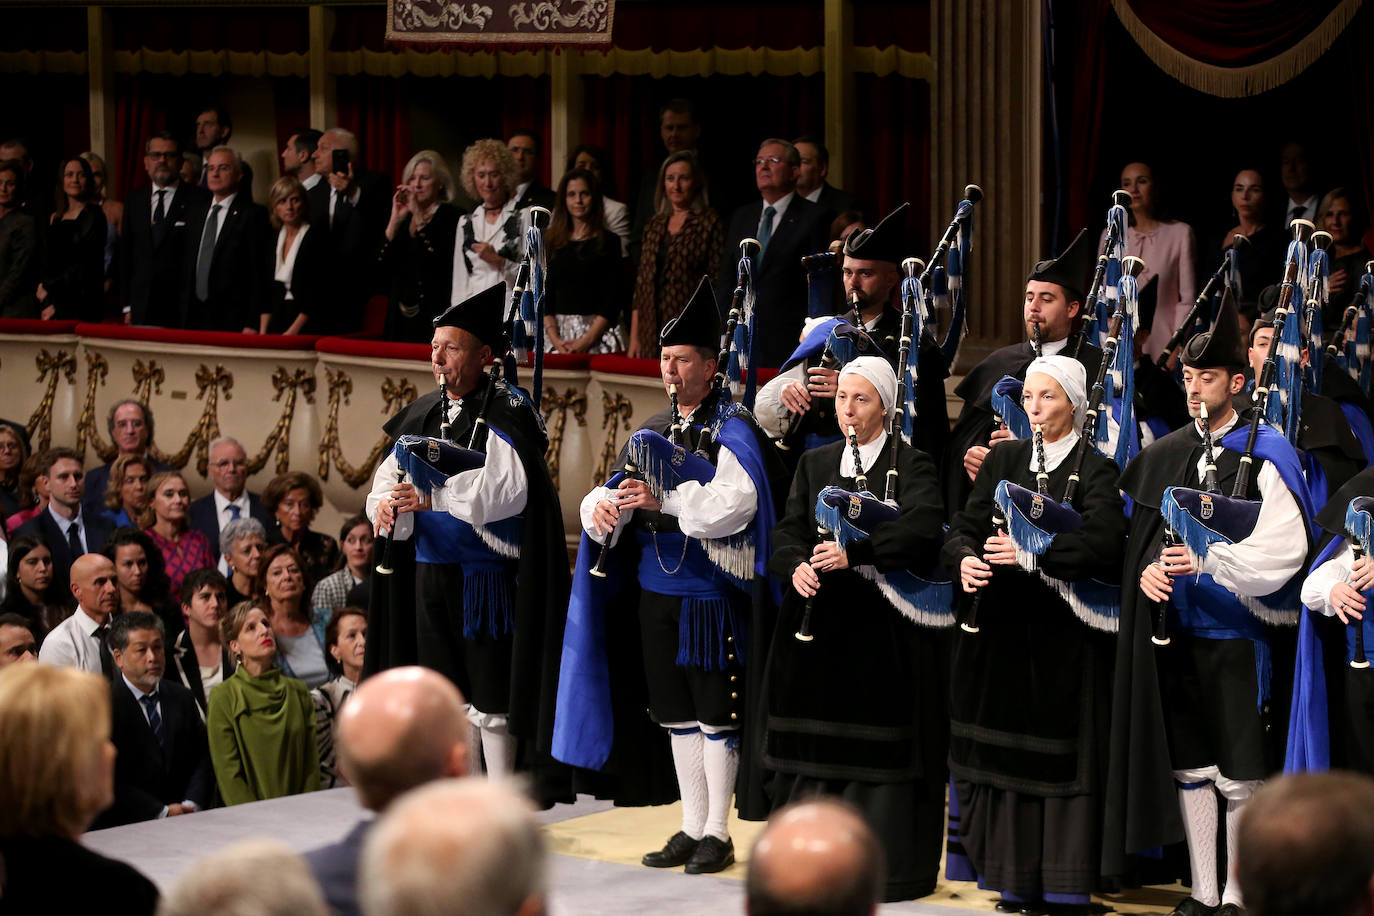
14 451
1261 262
126 491
30 591
242 544
262 877
293 499
299 263
616 214
230 500
681 243
416 259
1342 214
56 775
64 525
1306 846
490 240
17 642
401 729
816 857
112 210
1167 246
72 278
584 271
79 640
356 538
260 722
183 549
281 591
345 639
198 658
19 261
33 496
142 578
163 767
130 425
457 845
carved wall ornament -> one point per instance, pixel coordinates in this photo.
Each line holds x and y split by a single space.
615 415
50 367
572 399
88 425
395 395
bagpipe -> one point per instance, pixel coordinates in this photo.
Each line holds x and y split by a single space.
735 365
1359 527
822 279
839 343
1351 352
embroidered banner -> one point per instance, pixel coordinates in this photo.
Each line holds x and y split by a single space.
500 22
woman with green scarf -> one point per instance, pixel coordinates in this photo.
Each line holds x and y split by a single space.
261 723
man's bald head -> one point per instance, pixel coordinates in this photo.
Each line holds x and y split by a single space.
95 586
816 857
402 728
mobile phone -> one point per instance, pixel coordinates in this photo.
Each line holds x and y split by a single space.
340 161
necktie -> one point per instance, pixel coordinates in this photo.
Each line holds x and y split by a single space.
207 253
74 540
234 512
160 211
106 659
154 720
342 206
766 228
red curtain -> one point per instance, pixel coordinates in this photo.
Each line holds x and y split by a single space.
1086 53
376 109
1231 33
140 112
894 150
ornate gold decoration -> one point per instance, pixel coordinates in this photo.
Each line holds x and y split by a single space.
209 383
287 384
148 379
572 399
395 395
87 425
615 413
50 367
585 15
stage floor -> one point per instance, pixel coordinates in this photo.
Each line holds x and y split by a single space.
595 864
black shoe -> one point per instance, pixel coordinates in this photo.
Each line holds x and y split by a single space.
1007 906
1230 909
1193 907
677 851
712 855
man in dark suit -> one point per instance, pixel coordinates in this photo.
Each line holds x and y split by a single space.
789 227
400 729
527 149
68 532
163 766
215 128
228 255
229 500
130 424
811 179
153 239
351 206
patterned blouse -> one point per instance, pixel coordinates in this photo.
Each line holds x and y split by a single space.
661 295
329 699
190 552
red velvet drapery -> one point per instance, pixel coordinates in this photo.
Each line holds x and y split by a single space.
1231 33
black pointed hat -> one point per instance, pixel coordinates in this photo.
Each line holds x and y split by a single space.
482 315
884 242
1071 268
1222 346
699 323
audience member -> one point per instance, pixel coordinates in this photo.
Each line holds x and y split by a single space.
56 775
183 548
1167 246
1296 174
583 282
74 249
816 857
489 241
345 640
79 641
416 256
214 129
17 643
298 292
14 451
130 425
224 284
526 148
230 500
681 244
242 544
1306 846
281 591
163 767
199 659
18 246
35 201
680 131
126 491
142 578
63 525
350 207
192 162
456 845
1342 214
33 494
293 499
1261 262
249 878
617 215
356 537
30 591
260 722
402 728
298 157
788 228
113 211
845 225
812 175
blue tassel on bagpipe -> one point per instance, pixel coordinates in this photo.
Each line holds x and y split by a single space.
912 296
534 242
1285 404
741 372
429 463
1006 403
1319 278
664 465
956 269
1359 522
1122 406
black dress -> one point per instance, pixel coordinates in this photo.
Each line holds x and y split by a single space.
419 273
308 278
861 711
1030 691
74 265
585 278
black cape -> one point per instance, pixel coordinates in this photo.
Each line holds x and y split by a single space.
1325 434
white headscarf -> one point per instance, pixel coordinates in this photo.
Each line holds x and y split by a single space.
879 374
1071 376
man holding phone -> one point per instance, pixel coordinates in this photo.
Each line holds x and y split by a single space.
350 207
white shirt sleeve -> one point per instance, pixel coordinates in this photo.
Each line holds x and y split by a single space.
382 482
460 270
495 491
769 411
1274 551
1316 589
589 504
716 509
59 647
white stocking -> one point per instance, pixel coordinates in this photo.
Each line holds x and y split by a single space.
722 763
498 750
1199 806
691 779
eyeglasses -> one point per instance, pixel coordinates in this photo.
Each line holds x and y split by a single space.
771 160
162 155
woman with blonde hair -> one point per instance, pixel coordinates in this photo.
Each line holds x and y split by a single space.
490 242
299 262
56 775
417 253
126 492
